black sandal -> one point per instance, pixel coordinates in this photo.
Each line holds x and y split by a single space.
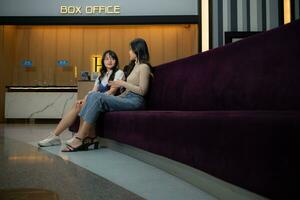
91 141
85 143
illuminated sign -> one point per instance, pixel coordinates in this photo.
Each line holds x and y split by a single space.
83 8
96 63
63 63
27 63
79 10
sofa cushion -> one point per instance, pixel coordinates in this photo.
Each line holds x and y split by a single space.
245 148
258 73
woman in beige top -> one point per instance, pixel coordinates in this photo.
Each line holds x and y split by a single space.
132 98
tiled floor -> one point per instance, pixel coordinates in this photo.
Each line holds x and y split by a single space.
133 175
23 166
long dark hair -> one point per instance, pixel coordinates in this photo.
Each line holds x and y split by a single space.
128 68
103 70
140 48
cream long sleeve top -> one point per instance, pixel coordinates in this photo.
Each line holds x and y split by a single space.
138 80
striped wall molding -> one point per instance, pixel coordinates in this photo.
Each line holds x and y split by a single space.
247 15
295 6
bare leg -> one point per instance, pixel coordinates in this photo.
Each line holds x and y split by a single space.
84 131
68 119
92 132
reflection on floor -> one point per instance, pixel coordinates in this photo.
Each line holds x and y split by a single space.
28 193
24 166
135 176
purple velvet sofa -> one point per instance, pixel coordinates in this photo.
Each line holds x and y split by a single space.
232 112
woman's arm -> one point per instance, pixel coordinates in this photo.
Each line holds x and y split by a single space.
95 88
144 77
119 75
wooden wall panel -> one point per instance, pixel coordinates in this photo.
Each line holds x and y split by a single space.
103 39
35 75
129 34
157 46
180 41
49 55
194 37
2 74
76 52
7 61
190 40
20 74
89 46
170 43
64 75
44 45
9 53
116 43
144 32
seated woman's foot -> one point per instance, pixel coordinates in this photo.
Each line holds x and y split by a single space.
78 144
75 144
51 140
69 141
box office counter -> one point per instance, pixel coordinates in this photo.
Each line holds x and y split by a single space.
39 102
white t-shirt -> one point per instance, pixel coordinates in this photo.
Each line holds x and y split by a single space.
119 75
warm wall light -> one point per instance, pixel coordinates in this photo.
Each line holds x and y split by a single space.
96 63
287 11
205 24
75 72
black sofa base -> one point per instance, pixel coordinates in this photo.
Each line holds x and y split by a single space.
249 149
210 184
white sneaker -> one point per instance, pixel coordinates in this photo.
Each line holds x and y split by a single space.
51 140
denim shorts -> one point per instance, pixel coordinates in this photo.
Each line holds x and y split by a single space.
98 103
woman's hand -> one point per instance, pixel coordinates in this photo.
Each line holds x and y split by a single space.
116 83
81 101
79 104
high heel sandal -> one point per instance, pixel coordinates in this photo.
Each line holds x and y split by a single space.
85 144
92 141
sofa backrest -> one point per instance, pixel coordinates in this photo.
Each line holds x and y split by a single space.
261 72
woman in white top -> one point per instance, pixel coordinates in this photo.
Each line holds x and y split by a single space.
109 72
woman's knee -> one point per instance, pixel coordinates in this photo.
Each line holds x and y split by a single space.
78 108
75 106
92 95
95 96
